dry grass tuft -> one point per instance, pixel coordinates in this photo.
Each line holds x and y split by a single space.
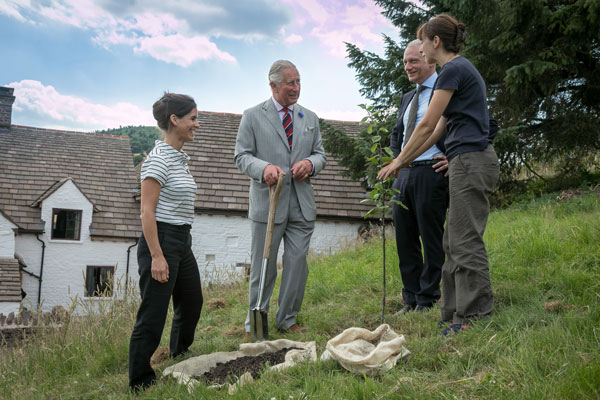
556 307
161 354
235 331
215 304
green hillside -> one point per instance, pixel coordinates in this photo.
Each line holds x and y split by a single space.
542 342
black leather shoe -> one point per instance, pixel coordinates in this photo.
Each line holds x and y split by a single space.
406 309
423 308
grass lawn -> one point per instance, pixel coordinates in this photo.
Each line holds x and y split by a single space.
542 342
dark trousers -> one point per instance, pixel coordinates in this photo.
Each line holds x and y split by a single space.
466 274
183 284
425 193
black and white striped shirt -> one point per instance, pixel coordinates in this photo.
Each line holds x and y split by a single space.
178 189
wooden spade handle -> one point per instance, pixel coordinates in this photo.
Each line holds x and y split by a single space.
273 197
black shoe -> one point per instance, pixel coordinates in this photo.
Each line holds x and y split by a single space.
423 307
406 309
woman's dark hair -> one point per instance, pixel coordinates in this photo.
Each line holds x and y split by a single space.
451 32
171 103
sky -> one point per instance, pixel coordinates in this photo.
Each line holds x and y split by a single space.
88 65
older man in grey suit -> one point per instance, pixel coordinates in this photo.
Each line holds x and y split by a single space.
276 136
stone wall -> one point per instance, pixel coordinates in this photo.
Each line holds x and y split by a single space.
16 327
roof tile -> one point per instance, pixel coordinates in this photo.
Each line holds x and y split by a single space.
222 187
100 165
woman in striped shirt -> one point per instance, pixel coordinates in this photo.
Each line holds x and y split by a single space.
167 266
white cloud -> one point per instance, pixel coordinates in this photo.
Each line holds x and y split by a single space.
9 8
180 50
70 112
149 32
293 39
354 21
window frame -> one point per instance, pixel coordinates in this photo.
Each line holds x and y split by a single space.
111 285
55 212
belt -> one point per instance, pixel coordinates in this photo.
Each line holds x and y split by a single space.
423 163
172 227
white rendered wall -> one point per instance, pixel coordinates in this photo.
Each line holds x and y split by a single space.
9 307
65 266
7 238
220 242
330 237
66 261
67 197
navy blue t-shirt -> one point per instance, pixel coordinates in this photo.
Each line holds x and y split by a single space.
467 116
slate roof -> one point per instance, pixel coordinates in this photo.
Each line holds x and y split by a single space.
10 280
223 188
34 162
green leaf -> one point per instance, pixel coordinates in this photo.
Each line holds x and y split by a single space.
401 204
376 139
372 211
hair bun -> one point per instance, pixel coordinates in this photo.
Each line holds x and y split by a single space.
461 34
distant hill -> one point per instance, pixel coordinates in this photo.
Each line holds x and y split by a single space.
141 139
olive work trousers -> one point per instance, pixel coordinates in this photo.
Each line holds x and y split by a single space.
466 287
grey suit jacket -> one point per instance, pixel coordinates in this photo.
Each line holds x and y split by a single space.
261 141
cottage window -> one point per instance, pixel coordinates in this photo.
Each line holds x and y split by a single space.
99 281
66 224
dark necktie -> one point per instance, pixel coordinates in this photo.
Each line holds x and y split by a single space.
288 126
412 116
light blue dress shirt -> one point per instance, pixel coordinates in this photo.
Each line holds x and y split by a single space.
424 97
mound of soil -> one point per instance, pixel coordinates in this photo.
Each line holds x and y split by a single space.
227 372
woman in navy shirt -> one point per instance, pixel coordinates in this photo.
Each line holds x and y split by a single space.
459 109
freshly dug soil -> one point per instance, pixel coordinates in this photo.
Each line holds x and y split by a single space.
224 372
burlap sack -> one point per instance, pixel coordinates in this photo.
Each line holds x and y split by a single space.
186 370
366 352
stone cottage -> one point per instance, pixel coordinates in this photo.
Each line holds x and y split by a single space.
68 216
69 211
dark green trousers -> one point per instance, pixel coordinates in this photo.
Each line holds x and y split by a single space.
466 287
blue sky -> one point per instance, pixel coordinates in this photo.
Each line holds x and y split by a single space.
87 65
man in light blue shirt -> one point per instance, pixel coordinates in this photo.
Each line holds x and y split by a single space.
423 190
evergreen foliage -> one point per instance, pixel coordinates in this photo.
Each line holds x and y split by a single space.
541 63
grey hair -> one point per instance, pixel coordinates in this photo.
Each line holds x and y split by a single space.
276 71
416 42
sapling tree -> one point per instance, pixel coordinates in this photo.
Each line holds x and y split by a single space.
381 191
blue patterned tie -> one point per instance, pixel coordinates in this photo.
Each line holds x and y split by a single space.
288 126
